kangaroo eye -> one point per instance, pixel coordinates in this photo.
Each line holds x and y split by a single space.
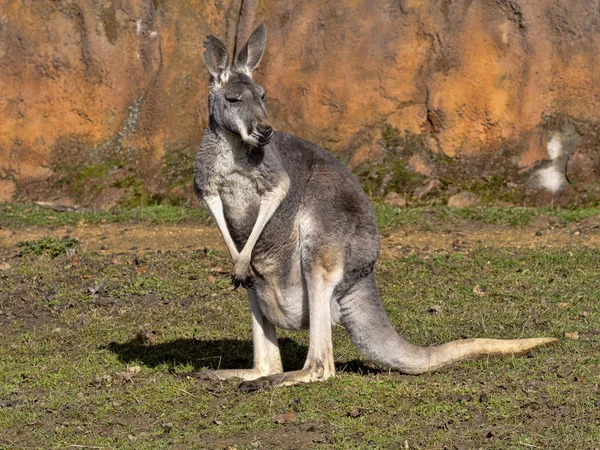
264 96
233 99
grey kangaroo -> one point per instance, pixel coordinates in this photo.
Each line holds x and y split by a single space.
302 236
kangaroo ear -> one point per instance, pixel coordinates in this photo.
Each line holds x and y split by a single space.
217 59
251 54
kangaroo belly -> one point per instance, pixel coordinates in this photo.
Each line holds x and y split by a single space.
284 308
282 297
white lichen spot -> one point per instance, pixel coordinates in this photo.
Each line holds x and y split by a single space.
551 179
138 26
555 147
153 34
504 30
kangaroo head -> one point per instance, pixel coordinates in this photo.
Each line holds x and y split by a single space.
236 103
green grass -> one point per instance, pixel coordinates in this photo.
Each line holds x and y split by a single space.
47 246
65 329
16 215
389 217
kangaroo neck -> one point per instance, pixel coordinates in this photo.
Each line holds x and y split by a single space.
223 141
224 138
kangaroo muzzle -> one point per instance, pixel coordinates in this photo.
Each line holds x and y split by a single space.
262 132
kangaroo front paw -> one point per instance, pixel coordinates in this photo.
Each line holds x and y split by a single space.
242 275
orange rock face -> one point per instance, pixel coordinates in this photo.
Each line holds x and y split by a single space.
111 94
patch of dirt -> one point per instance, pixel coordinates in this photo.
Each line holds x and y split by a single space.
305 435
122 238
467 239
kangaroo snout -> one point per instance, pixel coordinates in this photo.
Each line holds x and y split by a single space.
262 132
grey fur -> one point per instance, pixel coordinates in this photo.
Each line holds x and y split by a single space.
303 238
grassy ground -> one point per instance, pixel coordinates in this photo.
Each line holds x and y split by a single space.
16 216
96 349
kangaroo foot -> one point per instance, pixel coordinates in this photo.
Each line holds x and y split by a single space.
283 379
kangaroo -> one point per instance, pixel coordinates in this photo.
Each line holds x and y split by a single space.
302 236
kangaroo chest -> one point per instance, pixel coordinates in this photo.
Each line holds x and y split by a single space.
241 187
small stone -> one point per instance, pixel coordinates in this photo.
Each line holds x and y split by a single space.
463 200
572 335
435 309
419 164
431 186
395 199
483 398
287 417
538 233
4 266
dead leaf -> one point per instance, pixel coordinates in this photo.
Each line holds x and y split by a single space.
212 279
141 269
572 335
99 380
458 242
219 270
126 375
287 417
4 266
356 412
478 290
75 262
563 305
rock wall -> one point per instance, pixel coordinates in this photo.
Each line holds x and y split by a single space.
104 102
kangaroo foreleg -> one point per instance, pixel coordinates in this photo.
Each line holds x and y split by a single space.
242 272
215 207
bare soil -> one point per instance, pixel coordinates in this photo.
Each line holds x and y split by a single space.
122 238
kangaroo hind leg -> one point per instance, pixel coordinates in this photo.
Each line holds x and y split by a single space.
321 275
267 359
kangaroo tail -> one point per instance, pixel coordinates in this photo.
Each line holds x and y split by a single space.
372 332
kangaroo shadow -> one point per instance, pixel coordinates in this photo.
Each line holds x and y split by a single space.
216 354
202 354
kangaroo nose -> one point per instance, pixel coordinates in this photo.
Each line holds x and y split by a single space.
264 132
265 129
